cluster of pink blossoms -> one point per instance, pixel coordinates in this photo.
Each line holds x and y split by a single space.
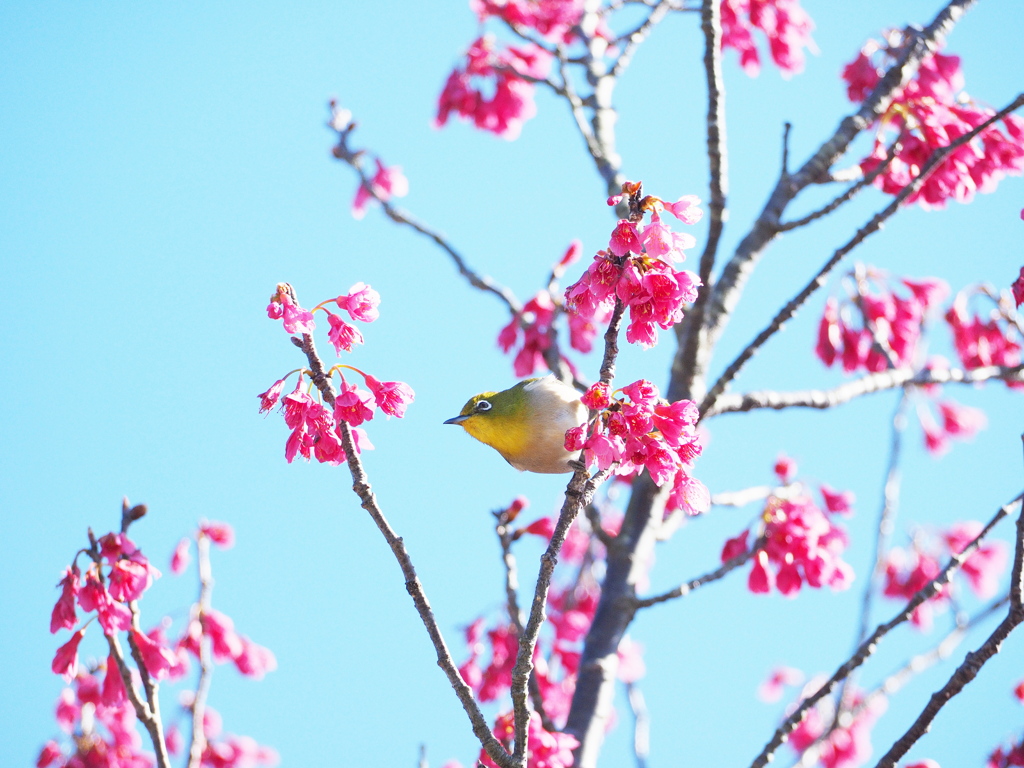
981 342
845 746
530 331
109 587
801 543
872 314
490 68
316 430
955 422
635 430
931 111
552 19
547 750
637 270
786 25
909 570
222 750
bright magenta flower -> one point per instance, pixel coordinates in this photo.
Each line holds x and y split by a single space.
269 398
180 558
157 658
553 19
129 579
93 596
227 645
296 319
65 661
49 754
353 405
113 693
1018 287
221 534
342 335
392 397
63 615
837 502
361 303
786 25
547 750
254 660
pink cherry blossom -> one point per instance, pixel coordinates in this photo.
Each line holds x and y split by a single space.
392 397
65 661
63 615
113 692
353 405
786 25
158 658
385 184
361 303
1018 286
296 319
49 754
342 335
269 398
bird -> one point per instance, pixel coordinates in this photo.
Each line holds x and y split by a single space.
526 423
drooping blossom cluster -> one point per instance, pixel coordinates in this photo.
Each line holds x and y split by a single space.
878 322
982 341
547 750
94 712
387 181
498 71
848 744
801 543
98 713
786 25
633 429
637 269
909 569
316 428
930 112
529 333
955 421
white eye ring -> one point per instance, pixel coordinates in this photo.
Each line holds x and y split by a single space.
483 405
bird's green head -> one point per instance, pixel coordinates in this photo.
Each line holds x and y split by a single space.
499 419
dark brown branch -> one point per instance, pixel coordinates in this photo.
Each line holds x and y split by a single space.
972 664
684 589
870 645
875 224
872 382
611 343
361 487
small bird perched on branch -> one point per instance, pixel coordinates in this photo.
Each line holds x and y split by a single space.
527 423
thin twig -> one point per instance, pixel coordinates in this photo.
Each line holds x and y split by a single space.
641 724
690 332
687 587
361 487
973 662
870 645
633 39
198 740
872 382
849 194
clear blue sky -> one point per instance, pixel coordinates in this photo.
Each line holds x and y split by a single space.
164 165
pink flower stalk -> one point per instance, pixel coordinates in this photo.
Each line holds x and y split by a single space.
269 398
65 661
385 184
63 615
931 111
487 68
786 25
361 303
342 335
221 534
392 397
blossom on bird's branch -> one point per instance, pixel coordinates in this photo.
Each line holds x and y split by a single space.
637 268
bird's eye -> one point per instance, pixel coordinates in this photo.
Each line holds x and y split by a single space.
483 405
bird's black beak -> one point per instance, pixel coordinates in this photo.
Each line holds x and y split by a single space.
456 420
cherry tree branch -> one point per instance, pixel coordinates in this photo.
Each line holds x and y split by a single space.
865 385
690 333
198 740
354 158
687 587
973 662
729 287
875 224
870 645
641 724
361 487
